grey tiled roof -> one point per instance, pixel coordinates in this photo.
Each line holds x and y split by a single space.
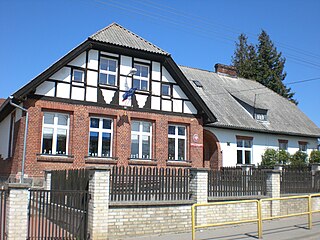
118 35
220 92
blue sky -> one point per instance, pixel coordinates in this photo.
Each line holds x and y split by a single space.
36 33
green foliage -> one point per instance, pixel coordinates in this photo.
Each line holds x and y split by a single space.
272 157
283 157
299 159
262 63
314 156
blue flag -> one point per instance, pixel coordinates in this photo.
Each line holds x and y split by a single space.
128 94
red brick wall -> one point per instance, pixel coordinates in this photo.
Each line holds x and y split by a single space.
79 133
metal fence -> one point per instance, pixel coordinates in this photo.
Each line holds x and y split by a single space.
58 214
232 182
72 179
3 196
149 184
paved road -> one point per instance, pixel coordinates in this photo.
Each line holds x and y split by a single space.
285 229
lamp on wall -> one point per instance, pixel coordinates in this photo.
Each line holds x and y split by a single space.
132 72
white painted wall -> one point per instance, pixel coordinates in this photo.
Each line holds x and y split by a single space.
166 77
125 65
189 108
63 90
4 136
156 74
261 142
77 93
64 74
93 59
92 78
46 89
79 61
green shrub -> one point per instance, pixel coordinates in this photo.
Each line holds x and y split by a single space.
269 158
283 157
314 156
299 159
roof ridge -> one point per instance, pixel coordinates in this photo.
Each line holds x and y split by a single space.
101 30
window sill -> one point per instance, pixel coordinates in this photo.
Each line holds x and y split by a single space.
179 163
112 87
100 160
142 161
55 158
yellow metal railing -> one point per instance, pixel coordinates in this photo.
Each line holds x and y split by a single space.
259 218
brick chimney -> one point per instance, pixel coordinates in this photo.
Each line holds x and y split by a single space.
222 69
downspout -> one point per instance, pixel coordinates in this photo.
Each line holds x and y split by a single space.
24 139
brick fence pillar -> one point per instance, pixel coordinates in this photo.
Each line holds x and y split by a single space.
17 211
47 179
273 191
199 192
98 210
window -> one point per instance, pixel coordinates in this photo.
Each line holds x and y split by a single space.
141 77
108 71
100 137
303 146
77 75
283 144
244 150
165 90
55 133
141 133
177 142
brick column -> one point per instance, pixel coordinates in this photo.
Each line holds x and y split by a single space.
98 209
199 192
273 191
17 211
47 179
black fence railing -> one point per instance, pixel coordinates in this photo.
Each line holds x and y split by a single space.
235 182
52 219
3 196
72 179
149 184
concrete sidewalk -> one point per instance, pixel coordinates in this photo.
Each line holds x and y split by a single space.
293 228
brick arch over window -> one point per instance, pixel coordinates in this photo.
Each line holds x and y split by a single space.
212 156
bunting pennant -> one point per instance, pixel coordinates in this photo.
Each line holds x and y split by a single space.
128 94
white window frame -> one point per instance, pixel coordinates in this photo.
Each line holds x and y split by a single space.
169 90
77 70
55 128
140 133
176 138
243 149
107 72
140 78
100 131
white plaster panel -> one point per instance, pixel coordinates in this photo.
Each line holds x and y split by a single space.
5 136
126 102
178 93
92 78
155 103
79 61
91 94
141 99
46 89
125 83
77 93
156 73
141 60
107 95
261 142
64 74
166 77
166 105
189 108
177 105
156 88
125 65
63 90
93 59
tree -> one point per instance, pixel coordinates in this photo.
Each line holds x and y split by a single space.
299 159
314 156
262 63
269 158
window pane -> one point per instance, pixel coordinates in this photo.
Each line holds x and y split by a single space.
247 143
283 146
138 67
111 79
181 131
94 122
103 78
47 140
106 144
181 149
171 130
144 85
134 146
144 71
239 143
103 64
171 151
136 83
146 127
48 118
112 65
107 123
63 120
61 141
78 75
247 157
93 145
145 147
135 126
239 157
165 90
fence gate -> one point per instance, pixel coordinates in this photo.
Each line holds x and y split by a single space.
3 195
58 214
